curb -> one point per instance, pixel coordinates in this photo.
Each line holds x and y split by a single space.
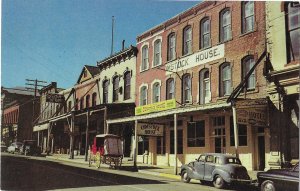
166 175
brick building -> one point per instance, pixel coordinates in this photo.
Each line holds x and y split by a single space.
187 68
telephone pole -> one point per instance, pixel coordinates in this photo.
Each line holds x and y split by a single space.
34 85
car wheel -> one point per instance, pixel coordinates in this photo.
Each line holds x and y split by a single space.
219 182
267 186
185 177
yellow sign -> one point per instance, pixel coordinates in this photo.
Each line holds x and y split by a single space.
155 107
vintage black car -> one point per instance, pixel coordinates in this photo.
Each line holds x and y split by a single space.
221 169
30 147
279 179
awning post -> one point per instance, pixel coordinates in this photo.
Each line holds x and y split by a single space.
135 143
72 137
175 143
235 128
87 135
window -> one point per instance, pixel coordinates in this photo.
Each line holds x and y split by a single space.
205 33
161 145
81 104
292 12
94 99
105 92
242 134
219 134
179 141
116 88
225 25
225 79
170 89
87 101
69 106
171 46
127 78
157 53
145 58
84 73
187 40
186 88
247 64
76 105
155 92
143 145
143 96
205 94
196 134
247 16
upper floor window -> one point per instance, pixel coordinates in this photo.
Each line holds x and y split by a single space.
81 104
170 89
143 96
171 46
116 88
247 64
186 88
155 92
85 73
157 53
105 92
187 40
247 16
292 12
87 101
94 99
76 105
205 33
225 79
205 94
69 106
127 78
145 58
225 25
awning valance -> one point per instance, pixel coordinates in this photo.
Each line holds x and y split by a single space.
41 127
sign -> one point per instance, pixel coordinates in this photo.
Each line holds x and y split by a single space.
55 98
253 112
196 59
150 129
155 107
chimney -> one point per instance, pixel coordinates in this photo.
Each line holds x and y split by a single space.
123 44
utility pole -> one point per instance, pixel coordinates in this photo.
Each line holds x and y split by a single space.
112 35
34 85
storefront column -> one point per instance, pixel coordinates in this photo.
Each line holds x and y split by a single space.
104 121
175 143
38 138
52 145
48 138
135 143
72 137
87 136
235 129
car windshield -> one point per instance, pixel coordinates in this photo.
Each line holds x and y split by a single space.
233 161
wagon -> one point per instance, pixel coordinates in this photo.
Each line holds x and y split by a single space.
106 149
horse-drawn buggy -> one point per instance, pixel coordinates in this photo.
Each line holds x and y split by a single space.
106 149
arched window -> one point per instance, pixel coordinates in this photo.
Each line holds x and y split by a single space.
170 89
87 101
171 46
292 12
205 33
81 103
187 40
205 95
186 89
76 105
69 106
247 64
225 79
145 58
247 16
127 87
105 92
155 92
225 25
116 88
157 53
143 96
94 99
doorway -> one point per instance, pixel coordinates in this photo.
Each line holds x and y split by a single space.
261 148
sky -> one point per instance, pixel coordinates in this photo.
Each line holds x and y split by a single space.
51 40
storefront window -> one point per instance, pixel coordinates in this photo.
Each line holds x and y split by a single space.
161 145
179 142
242 134
143 145
196 134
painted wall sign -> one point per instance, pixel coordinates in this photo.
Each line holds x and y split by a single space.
196 59
150 129
155 107
55 98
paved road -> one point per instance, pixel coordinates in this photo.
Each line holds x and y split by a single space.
29 173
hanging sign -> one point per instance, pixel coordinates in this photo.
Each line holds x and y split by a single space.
55 98
150 129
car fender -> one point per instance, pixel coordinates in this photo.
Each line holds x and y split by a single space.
224 174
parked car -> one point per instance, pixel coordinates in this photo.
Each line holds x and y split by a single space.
14 147
221 169
30 147
3 147
279 179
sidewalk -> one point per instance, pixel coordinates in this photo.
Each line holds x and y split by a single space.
127 165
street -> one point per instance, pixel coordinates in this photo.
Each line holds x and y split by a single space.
37 173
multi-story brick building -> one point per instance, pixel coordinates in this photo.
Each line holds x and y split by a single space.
197 58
